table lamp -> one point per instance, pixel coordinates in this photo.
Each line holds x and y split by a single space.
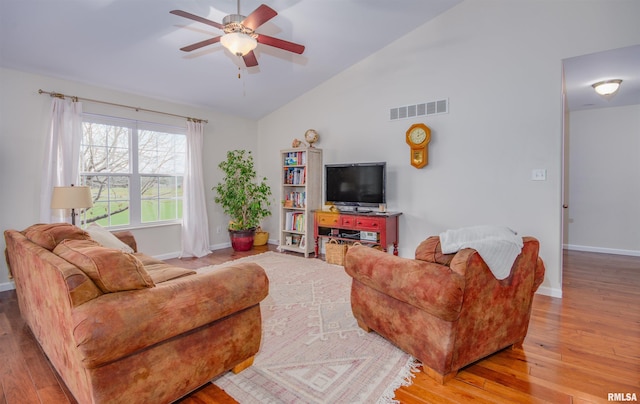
71 198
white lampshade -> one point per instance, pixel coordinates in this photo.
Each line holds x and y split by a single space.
607 87
238 43
71 198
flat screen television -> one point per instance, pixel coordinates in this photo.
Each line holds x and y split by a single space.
355 185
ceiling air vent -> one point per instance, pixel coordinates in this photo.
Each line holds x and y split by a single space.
423 109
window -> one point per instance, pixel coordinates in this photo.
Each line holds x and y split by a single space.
135 171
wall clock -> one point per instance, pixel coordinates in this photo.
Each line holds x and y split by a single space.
418 137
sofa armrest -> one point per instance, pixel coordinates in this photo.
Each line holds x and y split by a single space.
429 286
127 237
6 258
539 276
430 250
115 325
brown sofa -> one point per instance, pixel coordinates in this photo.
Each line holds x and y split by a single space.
446 310
127 328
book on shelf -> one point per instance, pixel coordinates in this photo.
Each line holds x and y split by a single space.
296 199
295 175
295 158
294 221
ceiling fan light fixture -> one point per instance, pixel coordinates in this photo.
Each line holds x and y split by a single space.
239 36
238 43
607 87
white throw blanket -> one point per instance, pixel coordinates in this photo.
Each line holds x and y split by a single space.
498 246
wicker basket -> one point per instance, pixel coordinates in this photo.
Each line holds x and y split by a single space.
335 252
260 238
355 243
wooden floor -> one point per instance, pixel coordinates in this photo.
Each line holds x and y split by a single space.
579 348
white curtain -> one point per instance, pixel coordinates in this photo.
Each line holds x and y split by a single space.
195 224
62 155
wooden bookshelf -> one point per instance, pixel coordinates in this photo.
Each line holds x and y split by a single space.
300 194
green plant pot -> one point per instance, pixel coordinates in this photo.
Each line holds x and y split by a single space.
242 240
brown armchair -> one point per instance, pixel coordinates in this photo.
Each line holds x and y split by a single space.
447 310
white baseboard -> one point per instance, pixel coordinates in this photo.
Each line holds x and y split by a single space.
167 256
176 254
220 246
547 291
603 250
7 286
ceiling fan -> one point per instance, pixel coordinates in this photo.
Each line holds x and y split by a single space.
239 33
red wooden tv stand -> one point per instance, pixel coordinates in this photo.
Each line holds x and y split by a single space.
376 229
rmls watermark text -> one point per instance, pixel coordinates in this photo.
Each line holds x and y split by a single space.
622 397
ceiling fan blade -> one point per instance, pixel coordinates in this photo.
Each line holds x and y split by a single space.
197 18
250 59
201 44
280 43
259 16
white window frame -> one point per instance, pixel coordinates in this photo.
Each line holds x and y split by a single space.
135 197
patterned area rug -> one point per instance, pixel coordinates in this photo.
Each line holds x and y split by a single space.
312 349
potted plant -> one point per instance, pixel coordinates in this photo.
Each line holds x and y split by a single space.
242 197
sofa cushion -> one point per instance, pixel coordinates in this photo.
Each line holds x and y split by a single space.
111 269
106 238
160 271
164 272
50 234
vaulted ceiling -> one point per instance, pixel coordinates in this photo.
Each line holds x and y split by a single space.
133 46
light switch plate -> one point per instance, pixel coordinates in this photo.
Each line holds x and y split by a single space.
538 174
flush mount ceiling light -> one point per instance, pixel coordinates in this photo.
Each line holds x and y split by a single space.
607 87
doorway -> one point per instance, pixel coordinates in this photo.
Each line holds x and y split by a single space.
601 166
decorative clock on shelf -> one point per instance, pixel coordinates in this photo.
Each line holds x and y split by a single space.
311 136
418 137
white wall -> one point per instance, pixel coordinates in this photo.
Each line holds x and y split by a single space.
604 180
23 127
499 63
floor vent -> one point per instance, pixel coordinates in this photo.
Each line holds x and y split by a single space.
424 109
